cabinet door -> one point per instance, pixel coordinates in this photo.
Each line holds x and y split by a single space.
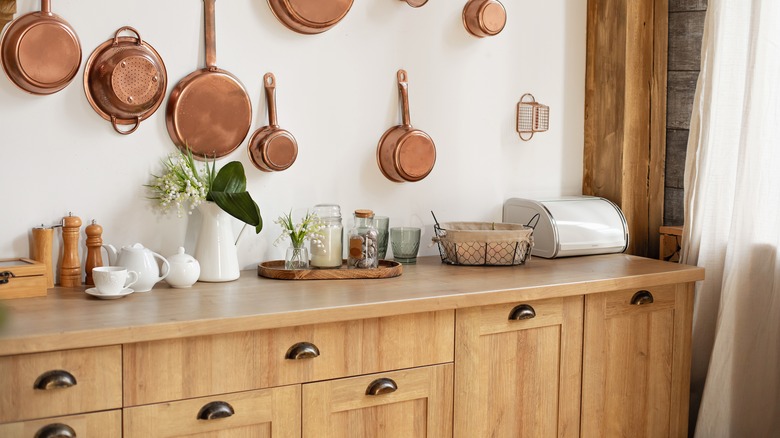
267 413
517 370
636 364
106 424
412 403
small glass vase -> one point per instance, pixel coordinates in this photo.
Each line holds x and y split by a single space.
296 258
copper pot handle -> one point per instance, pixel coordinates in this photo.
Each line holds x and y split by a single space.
403 88
46 7
269 81
211 35
140 42
129 131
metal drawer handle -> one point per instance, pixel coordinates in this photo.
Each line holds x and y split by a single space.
56 430
642 297
521 312
215 410
54 379
302 350
381 386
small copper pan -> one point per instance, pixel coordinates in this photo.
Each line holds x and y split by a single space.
484 18
272 148
310 16
405 153
209 110
41 52
125 80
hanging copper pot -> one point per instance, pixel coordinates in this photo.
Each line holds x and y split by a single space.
209 110
125 80
41 52
405 153
310 16
272 148
484 18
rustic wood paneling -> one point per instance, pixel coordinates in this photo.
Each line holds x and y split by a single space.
676 148
681 86
685 33
687 5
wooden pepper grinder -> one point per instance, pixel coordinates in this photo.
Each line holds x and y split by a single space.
41 251
94 257
70 269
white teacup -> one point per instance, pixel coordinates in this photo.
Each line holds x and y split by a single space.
111 280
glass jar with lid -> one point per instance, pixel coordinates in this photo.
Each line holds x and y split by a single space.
328 254
363 242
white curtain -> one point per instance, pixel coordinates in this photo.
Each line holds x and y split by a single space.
732 222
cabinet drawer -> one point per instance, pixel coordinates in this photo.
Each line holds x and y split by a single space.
68 382
106 424
274 412
412 403
193 367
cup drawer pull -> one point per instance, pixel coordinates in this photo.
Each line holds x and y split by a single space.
642 297
54 379
302 350
381 386
56 430
215 410
521 312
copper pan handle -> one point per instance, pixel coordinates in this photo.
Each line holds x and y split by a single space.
129 131
403 88
46 7
269 81
140 42
211 35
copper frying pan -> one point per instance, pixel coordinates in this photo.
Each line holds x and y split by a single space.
41 52
209 110
405 153
310 16
272 148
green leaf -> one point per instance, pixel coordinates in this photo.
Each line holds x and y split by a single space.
230 178
241 206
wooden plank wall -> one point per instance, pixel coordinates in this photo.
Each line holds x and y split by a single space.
625 112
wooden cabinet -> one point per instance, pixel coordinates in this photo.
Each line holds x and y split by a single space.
106 424
267 413
636 367
517 370
414 403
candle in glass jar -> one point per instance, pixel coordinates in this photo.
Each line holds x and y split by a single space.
329 253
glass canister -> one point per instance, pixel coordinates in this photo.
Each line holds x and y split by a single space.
329 253
363 242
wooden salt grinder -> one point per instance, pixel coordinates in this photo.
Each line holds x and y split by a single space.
70 269
94 257
41 251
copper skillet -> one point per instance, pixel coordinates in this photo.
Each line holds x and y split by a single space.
41 52
405 153
209 110
272 148
310 16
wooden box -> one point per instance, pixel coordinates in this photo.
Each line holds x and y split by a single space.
21 278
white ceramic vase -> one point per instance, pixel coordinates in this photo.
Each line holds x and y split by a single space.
216 249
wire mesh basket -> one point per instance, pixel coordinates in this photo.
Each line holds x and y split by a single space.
483 243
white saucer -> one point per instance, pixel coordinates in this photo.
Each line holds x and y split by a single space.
94 292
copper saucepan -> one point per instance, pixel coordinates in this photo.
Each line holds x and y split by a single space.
484 18
41 52
209 110
405 153
272 148
310 16
125 80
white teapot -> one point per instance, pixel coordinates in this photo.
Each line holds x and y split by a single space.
141 260
184 271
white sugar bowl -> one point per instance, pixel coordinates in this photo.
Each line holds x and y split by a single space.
184 271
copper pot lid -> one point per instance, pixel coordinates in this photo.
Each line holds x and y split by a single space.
310 16
483 18
41 52
209 111
125 80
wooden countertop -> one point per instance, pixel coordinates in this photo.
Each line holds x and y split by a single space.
69 318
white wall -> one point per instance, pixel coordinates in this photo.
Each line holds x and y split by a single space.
336 93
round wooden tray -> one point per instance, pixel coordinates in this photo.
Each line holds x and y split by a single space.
275 269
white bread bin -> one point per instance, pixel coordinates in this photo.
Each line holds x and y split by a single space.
570 226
